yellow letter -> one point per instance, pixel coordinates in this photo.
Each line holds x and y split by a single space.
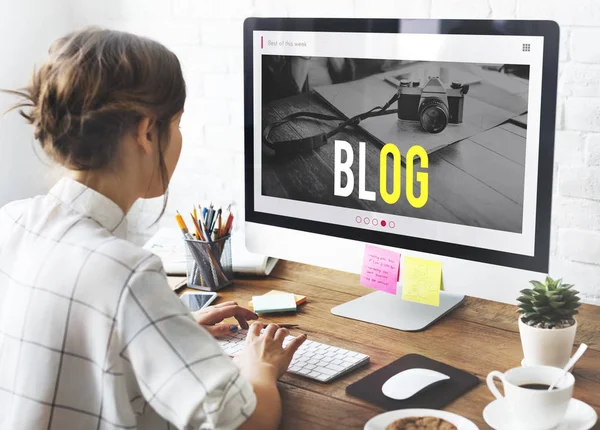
422 177
390 199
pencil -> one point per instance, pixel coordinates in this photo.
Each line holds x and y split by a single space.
182 226
197 227
219 223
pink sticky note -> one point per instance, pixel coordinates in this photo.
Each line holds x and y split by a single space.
381 269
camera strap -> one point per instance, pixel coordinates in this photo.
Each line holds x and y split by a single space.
306 144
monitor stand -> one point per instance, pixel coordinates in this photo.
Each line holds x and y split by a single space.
391 311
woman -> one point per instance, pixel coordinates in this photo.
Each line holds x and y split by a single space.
91 336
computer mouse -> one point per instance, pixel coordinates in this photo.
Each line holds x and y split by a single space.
409 382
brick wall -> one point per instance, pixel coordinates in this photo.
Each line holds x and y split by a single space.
207 35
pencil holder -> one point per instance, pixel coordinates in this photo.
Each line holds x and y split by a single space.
208 264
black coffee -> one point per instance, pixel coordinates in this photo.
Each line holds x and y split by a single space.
536 386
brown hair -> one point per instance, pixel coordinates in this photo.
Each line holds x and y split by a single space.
95 86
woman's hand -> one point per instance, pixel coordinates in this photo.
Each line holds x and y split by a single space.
264 353
210 318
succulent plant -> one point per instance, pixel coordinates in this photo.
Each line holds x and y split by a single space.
551 304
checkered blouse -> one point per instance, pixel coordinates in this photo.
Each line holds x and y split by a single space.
91 336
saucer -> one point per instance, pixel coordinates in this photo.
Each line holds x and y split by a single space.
579 416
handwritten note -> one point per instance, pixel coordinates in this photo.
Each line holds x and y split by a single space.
380 269
422 281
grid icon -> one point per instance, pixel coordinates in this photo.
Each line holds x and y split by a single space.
526 47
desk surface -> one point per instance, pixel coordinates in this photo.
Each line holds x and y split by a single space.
479 337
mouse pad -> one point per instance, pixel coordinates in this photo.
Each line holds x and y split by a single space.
433 397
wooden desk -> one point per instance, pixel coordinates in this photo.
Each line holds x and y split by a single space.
479 337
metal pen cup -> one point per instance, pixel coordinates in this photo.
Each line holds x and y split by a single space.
208 263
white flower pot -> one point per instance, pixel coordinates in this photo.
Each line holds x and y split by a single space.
547 347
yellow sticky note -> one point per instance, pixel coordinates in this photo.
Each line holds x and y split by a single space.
421 281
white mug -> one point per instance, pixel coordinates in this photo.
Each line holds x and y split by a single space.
529 408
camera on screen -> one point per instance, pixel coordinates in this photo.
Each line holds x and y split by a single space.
433 105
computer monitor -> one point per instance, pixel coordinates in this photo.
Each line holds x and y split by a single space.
433 138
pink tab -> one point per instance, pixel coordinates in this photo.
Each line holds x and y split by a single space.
381 269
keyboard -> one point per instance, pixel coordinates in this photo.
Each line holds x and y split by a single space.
313 360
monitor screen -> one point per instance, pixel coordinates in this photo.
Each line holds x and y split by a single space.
414 138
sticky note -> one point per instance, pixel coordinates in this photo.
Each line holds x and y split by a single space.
422 280
380 269
274 303
299 298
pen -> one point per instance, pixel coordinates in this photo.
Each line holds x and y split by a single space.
287 325
209 217
218 222
205 231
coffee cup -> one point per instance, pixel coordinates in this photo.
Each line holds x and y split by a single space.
527 399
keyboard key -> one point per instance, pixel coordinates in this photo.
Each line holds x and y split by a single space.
325 371
335 367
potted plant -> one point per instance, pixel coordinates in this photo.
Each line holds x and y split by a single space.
547 324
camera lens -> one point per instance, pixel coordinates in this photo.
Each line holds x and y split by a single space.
433 115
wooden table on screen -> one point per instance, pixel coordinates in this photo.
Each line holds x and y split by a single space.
479 337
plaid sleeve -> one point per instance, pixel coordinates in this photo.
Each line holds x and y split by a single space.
181 370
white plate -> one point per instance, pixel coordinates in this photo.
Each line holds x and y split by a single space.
579 416
381 421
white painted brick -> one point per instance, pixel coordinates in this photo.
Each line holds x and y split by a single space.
320 8
236 112
194 84
166 31
503 9
224 137
202 59
202 9
584 45
142 9
229 86
199 111
569 212
563 51
555 179
593 149
222 33
560 112
271 8
579 245
582 113
580 182
235 59
460 9
586 277
391 8
553 240
569 148
571 12
578 79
